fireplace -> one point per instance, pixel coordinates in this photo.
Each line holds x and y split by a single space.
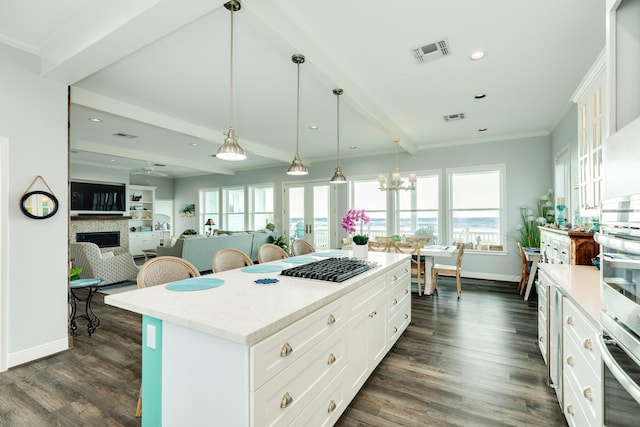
104 239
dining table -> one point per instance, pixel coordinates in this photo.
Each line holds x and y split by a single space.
533 256
428 254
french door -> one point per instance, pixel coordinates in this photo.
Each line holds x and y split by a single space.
307 213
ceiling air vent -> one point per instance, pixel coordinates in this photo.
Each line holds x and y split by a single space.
124 135
431 52
453 117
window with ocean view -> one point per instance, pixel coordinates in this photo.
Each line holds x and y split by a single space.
476 206
233 208
209 207
260 206
366 195
417 212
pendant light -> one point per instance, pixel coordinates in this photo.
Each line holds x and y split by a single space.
338 177
231 150
297 168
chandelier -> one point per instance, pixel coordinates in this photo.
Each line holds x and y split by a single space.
397 183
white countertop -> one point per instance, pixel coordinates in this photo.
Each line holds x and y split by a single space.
242 311
581 283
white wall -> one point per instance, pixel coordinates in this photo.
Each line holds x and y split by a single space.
33 117
529 175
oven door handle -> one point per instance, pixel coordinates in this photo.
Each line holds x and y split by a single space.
625 380
624 245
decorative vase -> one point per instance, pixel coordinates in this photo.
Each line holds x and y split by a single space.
360 251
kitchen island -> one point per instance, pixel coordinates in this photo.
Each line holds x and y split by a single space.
246 354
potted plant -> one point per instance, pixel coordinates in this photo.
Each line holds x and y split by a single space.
360 240
280 241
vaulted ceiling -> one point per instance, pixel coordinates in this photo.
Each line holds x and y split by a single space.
159 70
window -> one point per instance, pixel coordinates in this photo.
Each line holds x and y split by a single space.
417 212
260 206
476 206
233 209
366 195
210 208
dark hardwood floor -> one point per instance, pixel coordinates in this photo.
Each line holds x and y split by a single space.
472 362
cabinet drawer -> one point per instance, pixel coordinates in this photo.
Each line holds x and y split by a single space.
327 407
285 396
542 339
574 411
586 383
398 297
399 322
282 349
583 334
399 274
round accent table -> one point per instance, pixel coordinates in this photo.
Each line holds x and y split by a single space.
92 285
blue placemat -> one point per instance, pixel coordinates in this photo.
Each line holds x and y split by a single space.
195 284
262 268
327 254
299 260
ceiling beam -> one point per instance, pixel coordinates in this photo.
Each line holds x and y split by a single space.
102 32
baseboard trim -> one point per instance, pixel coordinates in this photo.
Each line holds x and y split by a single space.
33 353
491 276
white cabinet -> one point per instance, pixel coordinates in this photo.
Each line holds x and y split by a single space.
543 316
591 123
581 369
142 240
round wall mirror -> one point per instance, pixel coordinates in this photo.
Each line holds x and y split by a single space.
39 204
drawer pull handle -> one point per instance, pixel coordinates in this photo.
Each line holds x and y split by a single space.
395 301
332 407
331 320
287 399
569 320
570 361
587 344
541 339
540 308
406 316
286 350
570 409
331 359
373 313
588 393
395 277
395 329
406 291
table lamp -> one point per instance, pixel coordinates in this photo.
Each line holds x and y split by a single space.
209 224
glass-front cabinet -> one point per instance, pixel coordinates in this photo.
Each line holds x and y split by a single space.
591 122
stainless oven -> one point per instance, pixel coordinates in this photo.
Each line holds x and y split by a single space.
619 238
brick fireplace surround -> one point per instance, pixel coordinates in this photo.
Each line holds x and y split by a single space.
91 224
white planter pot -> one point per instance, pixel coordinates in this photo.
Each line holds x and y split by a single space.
360 251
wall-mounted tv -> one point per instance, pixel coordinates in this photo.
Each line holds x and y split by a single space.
97 198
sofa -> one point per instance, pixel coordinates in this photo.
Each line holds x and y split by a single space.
199 251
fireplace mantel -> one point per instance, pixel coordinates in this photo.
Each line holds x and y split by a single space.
99 218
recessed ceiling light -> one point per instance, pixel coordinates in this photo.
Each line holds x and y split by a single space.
482 130
313 127
352 147
194 144
113 160
94 119
480 96
477 55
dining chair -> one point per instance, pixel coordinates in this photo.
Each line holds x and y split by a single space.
417 261
228 259
270 252
422 241
382 238
165 269
301 247
448 270
379 246
158 271
525 269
